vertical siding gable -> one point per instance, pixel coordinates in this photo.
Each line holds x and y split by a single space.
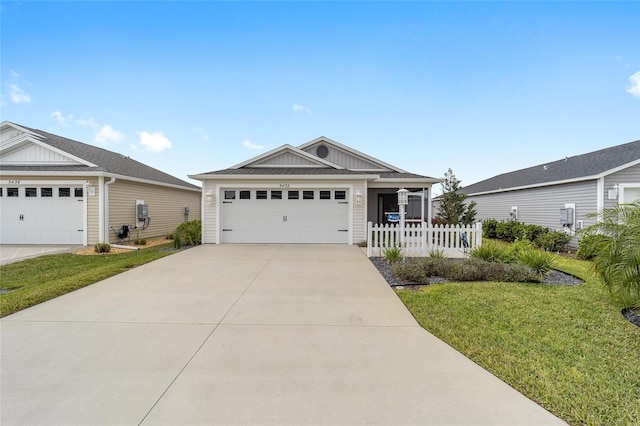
345 159
286 159
34 154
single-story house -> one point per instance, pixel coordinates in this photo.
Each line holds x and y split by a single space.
55 190
319 192
560 194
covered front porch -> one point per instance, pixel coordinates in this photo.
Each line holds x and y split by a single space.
382 205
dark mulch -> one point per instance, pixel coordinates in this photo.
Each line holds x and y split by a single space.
553 277
632 316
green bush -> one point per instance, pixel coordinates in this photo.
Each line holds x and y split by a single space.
102 248
489 251
509 231
538 261
188 234
489 228
419 270
169 235
436 253
590 245
513 251
552 240
393 254
140 241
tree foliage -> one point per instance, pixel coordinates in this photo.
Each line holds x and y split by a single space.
452 209
617 251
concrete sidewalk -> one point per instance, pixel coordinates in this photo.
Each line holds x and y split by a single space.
10 253
251 334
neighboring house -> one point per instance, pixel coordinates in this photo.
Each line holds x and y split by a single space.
319 192
55 190
559 195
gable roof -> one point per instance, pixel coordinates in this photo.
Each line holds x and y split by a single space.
301 161
588 166
92 159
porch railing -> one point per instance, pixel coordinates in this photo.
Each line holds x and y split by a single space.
420 239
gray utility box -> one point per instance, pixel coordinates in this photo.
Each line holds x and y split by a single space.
566 216
143 212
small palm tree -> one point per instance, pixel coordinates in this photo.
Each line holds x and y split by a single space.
617 259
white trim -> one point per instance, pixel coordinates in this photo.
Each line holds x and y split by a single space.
85 214
599 195
282 177
14 144
95 174
621 188
101 209
22 129
42 182
351 151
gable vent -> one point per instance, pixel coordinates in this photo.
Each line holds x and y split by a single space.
322 151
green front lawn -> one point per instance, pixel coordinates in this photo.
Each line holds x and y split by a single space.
568 348
37 280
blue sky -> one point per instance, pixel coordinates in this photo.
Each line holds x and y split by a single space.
188 87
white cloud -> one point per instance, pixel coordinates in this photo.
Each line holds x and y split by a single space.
61 118
18 96
107 135
89 122
634 89
250 145
301 108
155 142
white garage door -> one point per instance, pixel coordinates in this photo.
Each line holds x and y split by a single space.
41 214
285 216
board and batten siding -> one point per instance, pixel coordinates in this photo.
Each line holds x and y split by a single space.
539 206
344 159
166 207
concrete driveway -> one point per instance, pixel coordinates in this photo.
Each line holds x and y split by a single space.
251 334
10 253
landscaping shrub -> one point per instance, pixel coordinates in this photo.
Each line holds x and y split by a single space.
509 231
489 251
552 240
169 235
436 253
590 245
188 234
393 254
489 228
102 248
538 261
419 270
513 251
140 241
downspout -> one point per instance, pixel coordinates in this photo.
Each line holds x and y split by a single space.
105 212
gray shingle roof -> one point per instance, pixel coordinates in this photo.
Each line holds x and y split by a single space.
107 161
311 171
576 167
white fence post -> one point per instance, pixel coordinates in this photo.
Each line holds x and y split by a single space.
369 238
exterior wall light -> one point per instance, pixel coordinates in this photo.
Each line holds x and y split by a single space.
208 198
403 197
358 198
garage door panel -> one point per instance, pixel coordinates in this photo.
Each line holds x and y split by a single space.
291 216
43 218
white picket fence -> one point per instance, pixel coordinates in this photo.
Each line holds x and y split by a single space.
420 239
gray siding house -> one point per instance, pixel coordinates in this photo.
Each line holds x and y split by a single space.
55 190
319 192
560 194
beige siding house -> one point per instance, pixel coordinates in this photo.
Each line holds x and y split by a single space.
561 194
55 190
319 192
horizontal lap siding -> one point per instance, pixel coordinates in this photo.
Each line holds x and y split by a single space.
540 206
626 176
166 207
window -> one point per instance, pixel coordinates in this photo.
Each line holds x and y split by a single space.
307 195
77 192
293 195
12 192
276 195
261 195
325 195
245 195
340 195
0 192
229 195
31 192
46 192
64 192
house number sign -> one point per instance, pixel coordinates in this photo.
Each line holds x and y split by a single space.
14 182
284 185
